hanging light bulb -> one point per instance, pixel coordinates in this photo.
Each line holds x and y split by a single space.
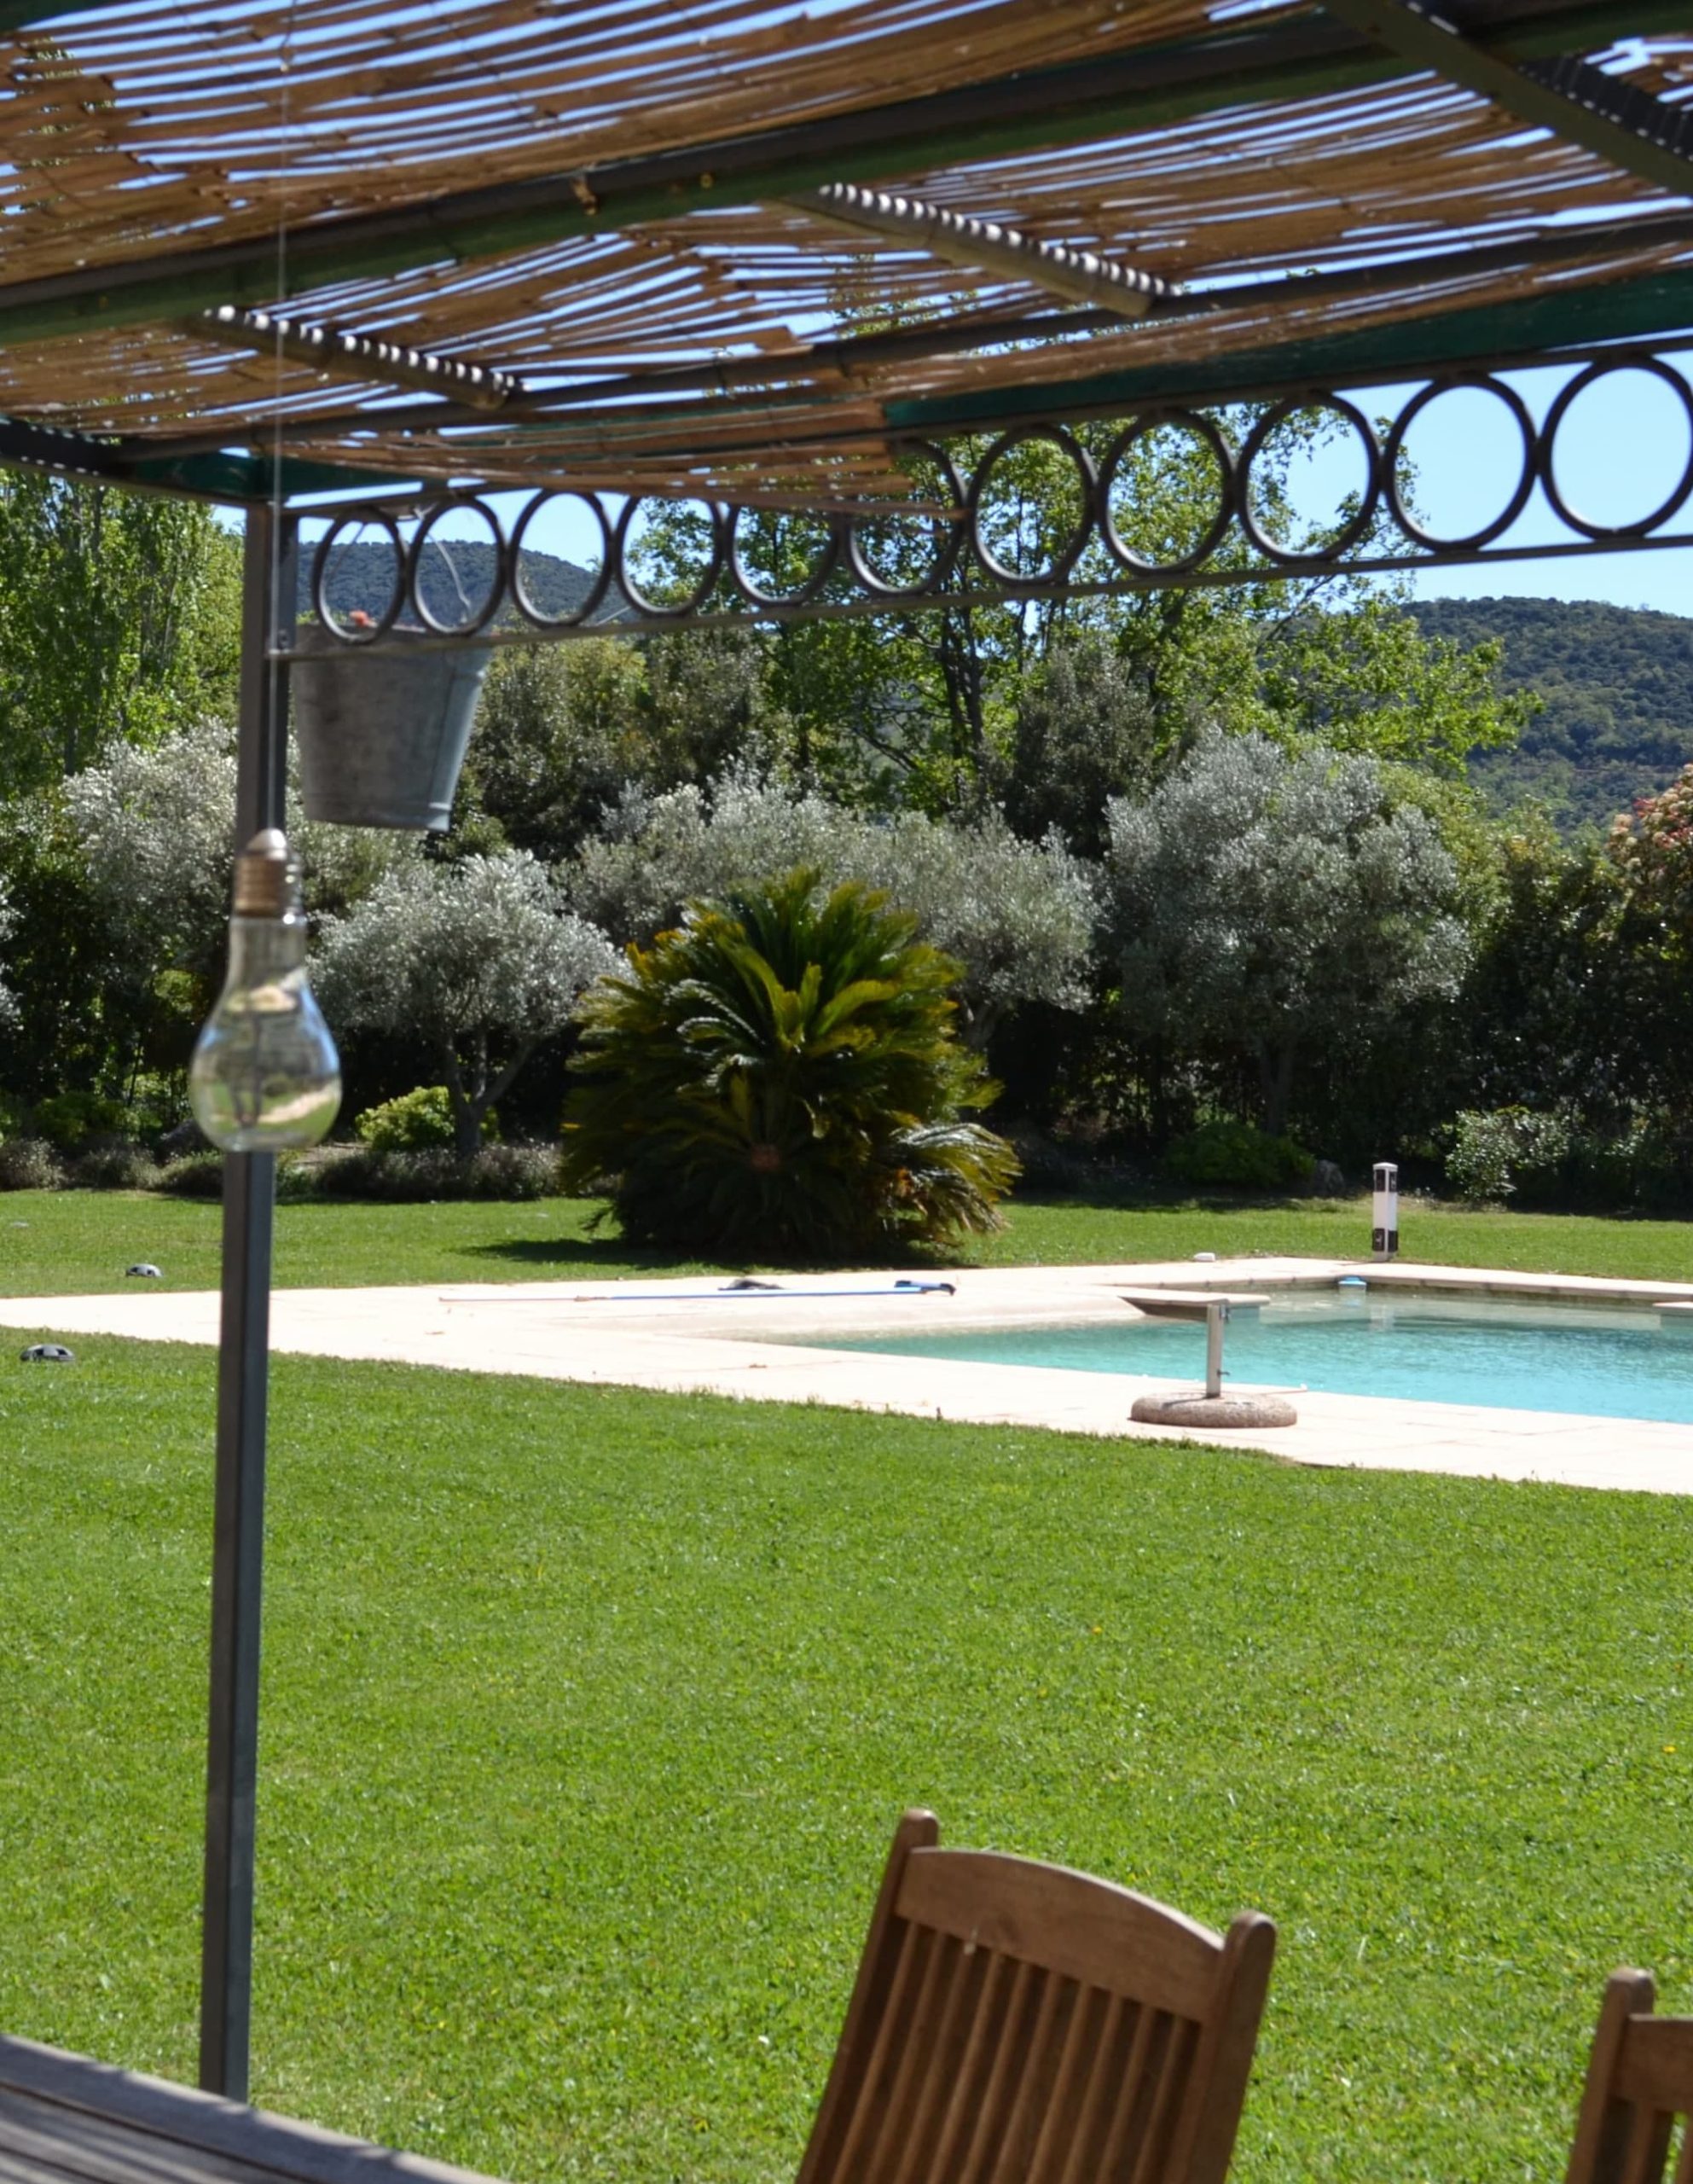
265 1074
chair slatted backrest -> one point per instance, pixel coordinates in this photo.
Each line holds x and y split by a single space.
1640 2085
1014 2023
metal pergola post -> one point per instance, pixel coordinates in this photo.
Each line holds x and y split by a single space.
238 1549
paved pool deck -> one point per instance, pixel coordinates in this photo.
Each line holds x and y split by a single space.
771 1346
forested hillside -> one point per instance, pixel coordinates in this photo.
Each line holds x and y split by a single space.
1617 684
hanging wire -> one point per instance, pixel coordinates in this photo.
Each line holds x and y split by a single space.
280 633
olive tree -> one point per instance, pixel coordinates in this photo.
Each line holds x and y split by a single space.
156 826
479 958
1017 916
1278 905
155 829
149 835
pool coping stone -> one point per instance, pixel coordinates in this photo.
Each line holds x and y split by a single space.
694 1336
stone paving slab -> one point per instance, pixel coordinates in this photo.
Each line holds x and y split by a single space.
700 1336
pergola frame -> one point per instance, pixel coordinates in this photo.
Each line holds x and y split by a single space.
1589 293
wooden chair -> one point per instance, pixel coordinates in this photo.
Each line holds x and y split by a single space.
1639 2083
1018 2024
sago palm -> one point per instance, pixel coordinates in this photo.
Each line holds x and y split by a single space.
778 1075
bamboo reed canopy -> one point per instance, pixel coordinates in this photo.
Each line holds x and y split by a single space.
601 243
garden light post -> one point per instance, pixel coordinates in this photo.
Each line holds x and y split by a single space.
1385 1211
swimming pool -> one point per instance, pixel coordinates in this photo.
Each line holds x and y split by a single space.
1499 1353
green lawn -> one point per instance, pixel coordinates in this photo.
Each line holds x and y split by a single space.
589 1714
73 1242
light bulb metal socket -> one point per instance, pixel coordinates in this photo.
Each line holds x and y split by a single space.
267 879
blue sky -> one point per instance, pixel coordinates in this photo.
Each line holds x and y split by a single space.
1625 446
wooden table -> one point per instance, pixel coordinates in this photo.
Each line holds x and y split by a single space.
65 2120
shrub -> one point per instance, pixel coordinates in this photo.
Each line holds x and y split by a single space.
200 1174
496 1172
1492 1152
29 1164
183 1137
780 1075
194 1175
298 1174
1548 1159
114 1168
414 1122
1235 1156
69 1119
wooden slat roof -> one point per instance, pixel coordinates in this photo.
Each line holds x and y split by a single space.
583 189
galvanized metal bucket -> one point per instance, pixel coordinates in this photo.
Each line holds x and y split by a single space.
382 730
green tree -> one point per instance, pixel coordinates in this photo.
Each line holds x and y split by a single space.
120 620
564 730
778 1076
478 958
988 702
1087 730
559 731
9 1003
1279 907
1369 679
1571 1004
79 1025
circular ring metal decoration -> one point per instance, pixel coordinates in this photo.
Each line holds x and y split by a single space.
941 568
358 633
1066 559
701 590
596 590
1204 429
1356 525
1653 369
1485 383
496 591
865 556
748 585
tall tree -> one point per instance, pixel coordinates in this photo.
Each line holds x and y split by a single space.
985 701
120 620
564 730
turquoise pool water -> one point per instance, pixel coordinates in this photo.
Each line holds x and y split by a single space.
1507 1357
